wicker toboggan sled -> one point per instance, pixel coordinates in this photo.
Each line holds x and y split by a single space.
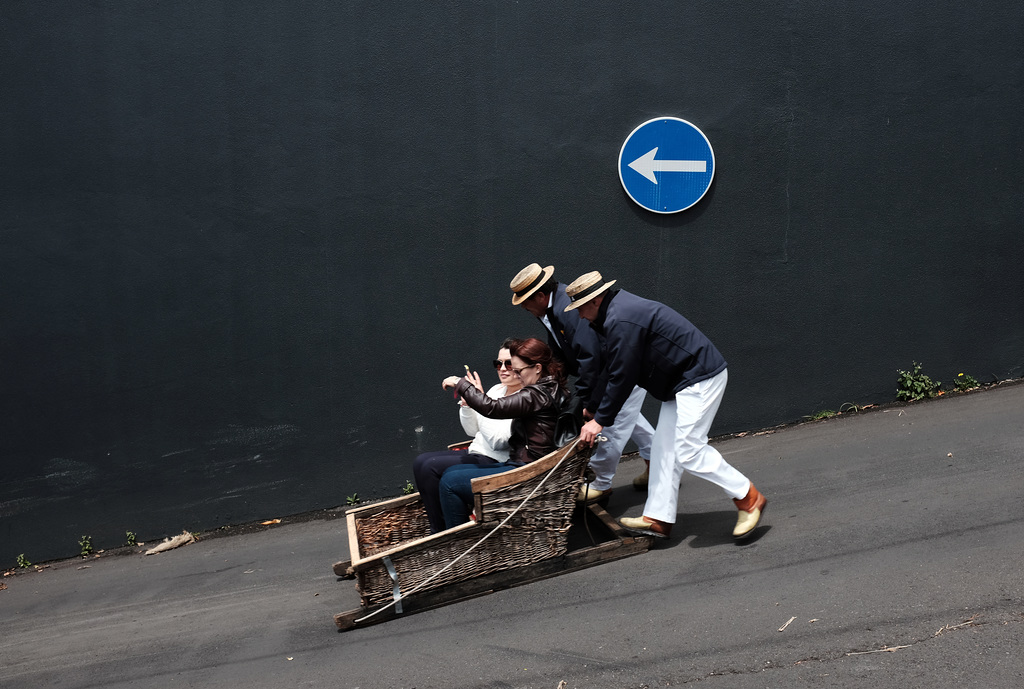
521 533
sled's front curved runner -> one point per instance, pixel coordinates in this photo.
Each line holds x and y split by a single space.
521 533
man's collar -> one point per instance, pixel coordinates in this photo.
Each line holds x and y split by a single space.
602 311
551 302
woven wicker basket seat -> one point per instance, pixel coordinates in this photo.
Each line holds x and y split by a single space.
396 534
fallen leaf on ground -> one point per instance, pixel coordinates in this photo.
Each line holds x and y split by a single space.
181 539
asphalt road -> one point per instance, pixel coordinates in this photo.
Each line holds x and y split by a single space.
891 555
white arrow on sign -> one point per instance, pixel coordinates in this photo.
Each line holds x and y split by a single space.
646 165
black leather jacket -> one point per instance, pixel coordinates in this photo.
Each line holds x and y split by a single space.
533 411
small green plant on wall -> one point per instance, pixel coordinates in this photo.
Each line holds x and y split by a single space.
914 385
23 562
408 488
130 538
965 382
85 544
353 499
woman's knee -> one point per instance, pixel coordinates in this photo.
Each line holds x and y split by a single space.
431 464
447 483
417 464
421 468
456 481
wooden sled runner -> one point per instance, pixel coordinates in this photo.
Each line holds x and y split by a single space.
527 528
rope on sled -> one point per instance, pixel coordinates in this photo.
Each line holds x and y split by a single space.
398 598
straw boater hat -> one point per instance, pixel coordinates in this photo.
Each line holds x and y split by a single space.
586 287
529 280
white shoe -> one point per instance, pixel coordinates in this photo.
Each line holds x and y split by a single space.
646 526
589 494
750 509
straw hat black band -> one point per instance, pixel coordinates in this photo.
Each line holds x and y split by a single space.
586 287
583 294
532 286
528 280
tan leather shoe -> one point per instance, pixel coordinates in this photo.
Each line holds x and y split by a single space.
751 508
640 482
647 526
589 494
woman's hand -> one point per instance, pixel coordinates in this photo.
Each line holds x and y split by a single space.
474 378
450 382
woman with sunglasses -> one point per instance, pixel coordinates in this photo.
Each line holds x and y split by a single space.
490 438
533 411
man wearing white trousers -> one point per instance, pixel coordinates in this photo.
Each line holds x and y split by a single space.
647 344
577 345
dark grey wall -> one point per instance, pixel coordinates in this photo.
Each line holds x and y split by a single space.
241 245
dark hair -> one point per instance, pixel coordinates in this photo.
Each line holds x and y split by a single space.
548 287
533 351
510 343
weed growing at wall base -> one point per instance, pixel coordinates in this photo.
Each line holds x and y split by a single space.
965 382
914 385
845 408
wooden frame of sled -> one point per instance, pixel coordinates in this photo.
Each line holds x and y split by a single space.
521 534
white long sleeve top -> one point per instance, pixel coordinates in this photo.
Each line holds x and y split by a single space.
490 436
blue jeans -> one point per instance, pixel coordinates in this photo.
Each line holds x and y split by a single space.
427 470
456 489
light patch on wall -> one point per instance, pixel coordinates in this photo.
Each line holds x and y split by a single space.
65 475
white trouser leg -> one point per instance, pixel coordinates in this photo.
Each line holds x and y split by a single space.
629 422
680 446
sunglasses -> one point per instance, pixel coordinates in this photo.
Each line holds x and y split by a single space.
507 363
519 371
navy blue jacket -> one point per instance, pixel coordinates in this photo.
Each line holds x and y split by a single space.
648 344
577 345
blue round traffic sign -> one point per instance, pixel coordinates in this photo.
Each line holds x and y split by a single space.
666 165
